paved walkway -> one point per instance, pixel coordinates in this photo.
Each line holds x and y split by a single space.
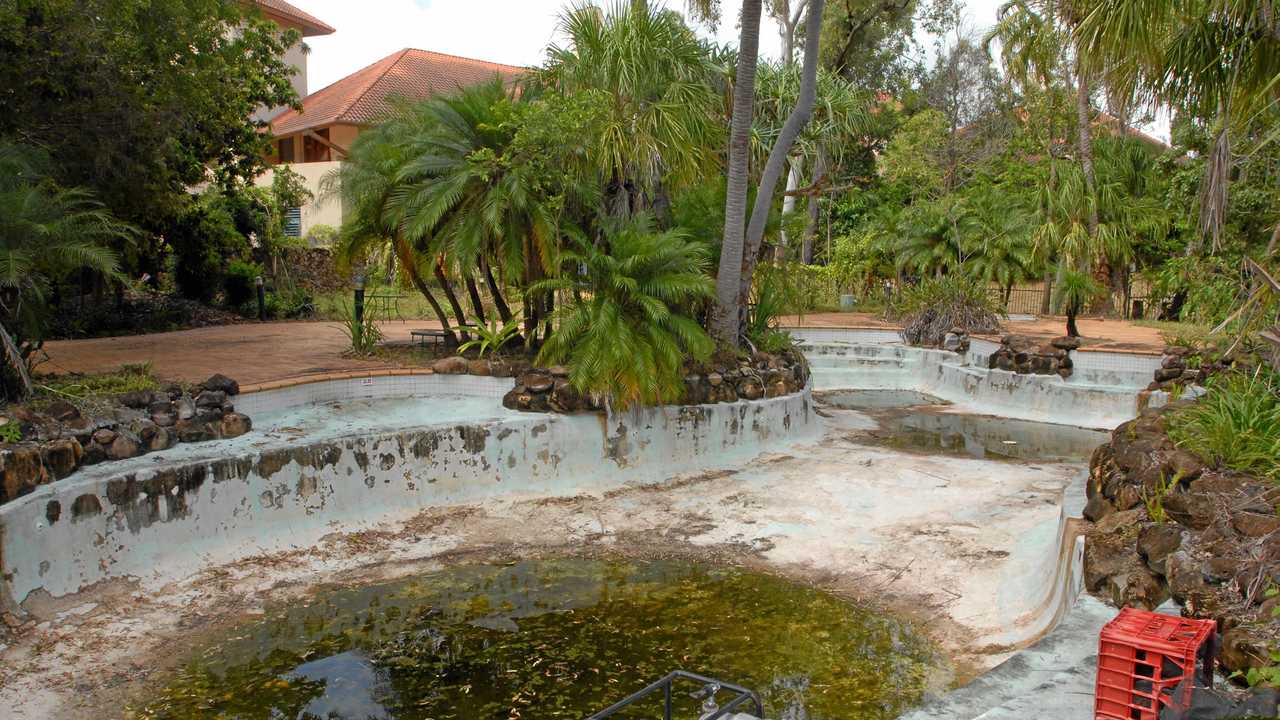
262 352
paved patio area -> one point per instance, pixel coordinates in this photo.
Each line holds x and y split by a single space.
262 352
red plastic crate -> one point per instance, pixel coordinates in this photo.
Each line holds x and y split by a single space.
1143 656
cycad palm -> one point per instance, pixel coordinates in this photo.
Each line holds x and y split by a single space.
46 232
628 336
463 198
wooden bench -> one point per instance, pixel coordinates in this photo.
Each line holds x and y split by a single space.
431 337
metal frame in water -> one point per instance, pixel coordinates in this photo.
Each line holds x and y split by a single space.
710 686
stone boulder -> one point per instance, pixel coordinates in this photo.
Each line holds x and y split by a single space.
455 365
221 383
21 470
61 457
234 425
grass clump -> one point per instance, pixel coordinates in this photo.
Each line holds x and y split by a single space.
77 386
930 309
1236 424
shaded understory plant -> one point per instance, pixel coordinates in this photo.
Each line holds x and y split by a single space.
929 310
363 333
1076 290
490 338
1236 424
630 327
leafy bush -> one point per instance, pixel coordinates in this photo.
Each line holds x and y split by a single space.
322 236
1236 424
239 282
364 335
490 339
628 332
930 309
75 386
205 240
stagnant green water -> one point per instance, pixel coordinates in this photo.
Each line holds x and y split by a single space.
552 639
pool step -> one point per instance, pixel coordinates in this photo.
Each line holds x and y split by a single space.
1053 678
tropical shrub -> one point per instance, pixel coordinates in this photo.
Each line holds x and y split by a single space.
205 239
491 338
46 232
1236 424
630 327
1074 291
239 282
930 309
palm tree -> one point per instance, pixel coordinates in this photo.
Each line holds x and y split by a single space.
471 196
659 127
1075 289
1215 58
46 232
627 337
728 317
366 184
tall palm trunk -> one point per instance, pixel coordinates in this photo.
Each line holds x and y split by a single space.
447 288
404 254
499 302
776 163
728 315
476 303
811 228
1101 267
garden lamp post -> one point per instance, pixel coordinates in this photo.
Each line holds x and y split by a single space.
262 298
360 297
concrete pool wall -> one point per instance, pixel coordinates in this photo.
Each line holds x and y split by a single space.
1106 389
170 514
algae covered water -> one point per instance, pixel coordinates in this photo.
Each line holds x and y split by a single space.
551 639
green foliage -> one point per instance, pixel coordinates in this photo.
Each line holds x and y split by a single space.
630 328
205 240
239 283
490 339
46 233
10 432
322 236
363 334
1154 500
913 158
139 99
1236 424
660 123
97 386
930 309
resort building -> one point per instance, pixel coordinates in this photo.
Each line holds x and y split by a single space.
290 17
313 141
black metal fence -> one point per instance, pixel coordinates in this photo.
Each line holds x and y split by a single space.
1037 300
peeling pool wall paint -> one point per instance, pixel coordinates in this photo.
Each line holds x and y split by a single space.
839 364
134 519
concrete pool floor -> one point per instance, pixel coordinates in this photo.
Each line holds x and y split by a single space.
964 546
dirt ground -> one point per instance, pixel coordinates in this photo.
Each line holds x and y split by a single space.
263 352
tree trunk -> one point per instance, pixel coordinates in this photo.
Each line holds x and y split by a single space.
476 303
811 229
1072 330
500 303
405 255
1101 265
791 130
788 206
728 315
1046 299
449 295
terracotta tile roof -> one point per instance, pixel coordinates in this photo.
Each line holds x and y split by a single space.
363 97
311 25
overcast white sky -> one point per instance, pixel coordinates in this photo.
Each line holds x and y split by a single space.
508 31
516 32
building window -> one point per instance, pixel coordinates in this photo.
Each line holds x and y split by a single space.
293 222
285 151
